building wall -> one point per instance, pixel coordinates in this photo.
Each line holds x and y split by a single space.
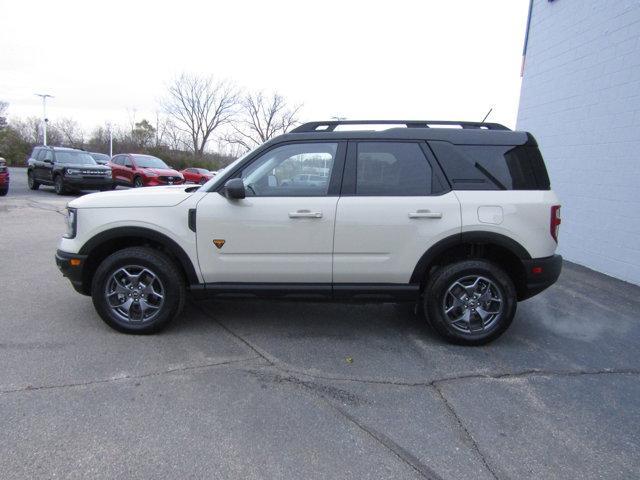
580 98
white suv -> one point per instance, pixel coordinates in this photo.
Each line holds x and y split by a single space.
461 220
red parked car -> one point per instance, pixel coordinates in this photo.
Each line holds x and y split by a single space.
197 175
136 170
4 177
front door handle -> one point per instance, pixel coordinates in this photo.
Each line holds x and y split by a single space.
305 214
425 214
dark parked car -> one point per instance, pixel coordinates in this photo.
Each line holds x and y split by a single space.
66 169
197 175
136 170
100 158
4 178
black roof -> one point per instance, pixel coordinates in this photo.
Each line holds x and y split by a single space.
467 133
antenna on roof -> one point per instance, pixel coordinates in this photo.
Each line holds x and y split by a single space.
487 115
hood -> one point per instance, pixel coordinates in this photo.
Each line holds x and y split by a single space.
165 172
136 197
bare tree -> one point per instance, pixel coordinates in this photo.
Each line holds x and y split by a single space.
70 132
4 106
263 117
200 105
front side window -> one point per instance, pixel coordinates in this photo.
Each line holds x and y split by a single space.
46 155
392 169
126 161
295 170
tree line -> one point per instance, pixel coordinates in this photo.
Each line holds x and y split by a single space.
201 122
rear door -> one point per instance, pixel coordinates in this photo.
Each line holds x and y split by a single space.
281 232
395 204
45 167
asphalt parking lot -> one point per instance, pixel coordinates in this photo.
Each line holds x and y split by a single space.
272 390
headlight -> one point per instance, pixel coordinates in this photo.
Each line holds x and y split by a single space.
72 223
107 173
73 171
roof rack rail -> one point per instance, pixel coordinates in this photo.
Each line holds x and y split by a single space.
330 125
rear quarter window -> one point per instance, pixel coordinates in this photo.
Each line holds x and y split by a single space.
492 167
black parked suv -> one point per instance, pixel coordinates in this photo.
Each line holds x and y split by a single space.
66 169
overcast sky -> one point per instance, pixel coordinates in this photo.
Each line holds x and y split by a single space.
109 60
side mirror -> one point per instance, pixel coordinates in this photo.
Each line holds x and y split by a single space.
234 189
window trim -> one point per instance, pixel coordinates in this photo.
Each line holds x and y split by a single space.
336 171
350 170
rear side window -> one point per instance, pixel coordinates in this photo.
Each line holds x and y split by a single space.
392 169
492 167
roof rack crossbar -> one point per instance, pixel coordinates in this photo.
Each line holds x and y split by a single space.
330 125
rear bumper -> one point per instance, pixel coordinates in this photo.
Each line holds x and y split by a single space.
4 180
72 272
540 273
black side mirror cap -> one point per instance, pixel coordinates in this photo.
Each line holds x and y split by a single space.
234 189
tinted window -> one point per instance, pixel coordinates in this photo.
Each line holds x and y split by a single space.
392 169
126 161
117 160
301 169
37 154
45 154
492 167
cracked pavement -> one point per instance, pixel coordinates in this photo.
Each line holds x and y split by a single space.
255 389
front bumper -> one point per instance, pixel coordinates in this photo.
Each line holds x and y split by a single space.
540 274
88 183
157 181
72 270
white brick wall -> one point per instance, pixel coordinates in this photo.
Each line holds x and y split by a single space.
580 98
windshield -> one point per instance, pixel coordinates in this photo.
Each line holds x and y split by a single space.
203 171
72 157
100 157
147 161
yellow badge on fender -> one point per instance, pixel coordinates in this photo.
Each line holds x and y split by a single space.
218 243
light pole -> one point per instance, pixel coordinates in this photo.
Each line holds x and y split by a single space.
110 139
44 97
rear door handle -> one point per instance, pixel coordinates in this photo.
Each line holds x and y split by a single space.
425 214
305 214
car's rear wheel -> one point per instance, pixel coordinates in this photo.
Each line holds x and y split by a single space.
31 181
470 302
202 181
58 185
138 290
137 182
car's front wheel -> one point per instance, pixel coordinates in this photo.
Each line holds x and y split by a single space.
138 290
58 185
470 302
137 182
31 181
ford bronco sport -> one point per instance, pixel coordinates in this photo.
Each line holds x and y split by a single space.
461 221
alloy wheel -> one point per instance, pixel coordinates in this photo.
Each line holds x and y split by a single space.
473 304
134 294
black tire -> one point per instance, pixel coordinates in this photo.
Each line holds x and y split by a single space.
58 185
159 264
202 181
436 293
4 191
137 182
31 181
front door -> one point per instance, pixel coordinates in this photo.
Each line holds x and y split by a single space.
282 232
395 204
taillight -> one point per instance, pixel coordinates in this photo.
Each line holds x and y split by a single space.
555 222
